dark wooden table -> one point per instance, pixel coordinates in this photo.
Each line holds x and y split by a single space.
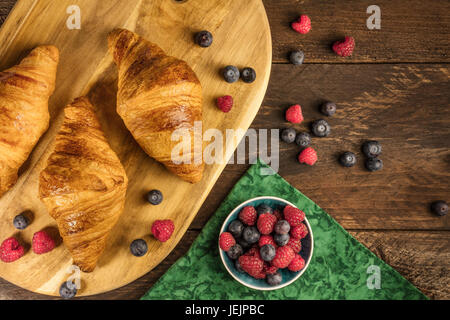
394 89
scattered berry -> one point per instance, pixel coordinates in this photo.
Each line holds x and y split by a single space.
20 222
302 25
263 208
42 242
235 228
297 57
299 232
303 139
138 247
267 252
68 290
248 215
251 235
294 114
344 48
11 250
248 75
226 241
155 197
371 149
281 239
251 264
347 159
282 227
297 263
235 252
231 74
225 103
274 279
288 135
293 216
440 207
328 108
374 164
320 128
204 38
266 239
266 223
295 244
163 229
283 257
308 156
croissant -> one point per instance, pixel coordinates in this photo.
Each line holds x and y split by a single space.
158 94
83 185
24 93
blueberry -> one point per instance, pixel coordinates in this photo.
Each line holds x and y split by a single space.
348 159
328 108
251 234
138 247
371 148
440 208
297 57
303 139
274 279
67 290
231 74
204 38
281 239
238 267
235 251
267 252
263 208
155 197
248 75
244 244
282 227
235 228
288 135
20 222
374 164
321 128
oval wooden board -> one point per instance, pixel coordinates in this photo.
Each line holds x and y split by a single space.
241 37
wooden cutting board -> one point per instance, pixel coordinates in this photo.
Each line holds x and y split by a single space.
241 37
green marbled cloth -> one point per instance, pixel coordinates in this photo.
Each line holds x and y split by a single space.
338 269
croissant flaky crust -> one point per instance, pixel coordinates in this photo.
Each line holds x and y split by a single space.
24 93
158 94
83 185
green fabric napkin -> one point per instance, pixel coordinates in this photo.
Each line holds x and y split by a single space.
339 269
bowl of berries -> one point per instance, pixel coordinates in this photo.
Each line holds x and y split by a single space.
266 243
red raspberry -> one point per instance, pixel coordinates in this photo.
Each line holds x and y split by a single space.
266 239
344 48
163 229
253 251
308 156
261 275
295 244
297 263
283 257
225 103
294 114
266 223
226 241
277 213
251 264
269 269
248 215
11 250
42 242
299 232
302 25
293 216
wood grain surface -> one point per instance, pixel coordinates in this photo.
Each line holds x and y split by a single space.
395 88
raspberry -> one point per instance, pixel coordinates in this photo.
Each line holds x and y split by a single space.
295 244
269 269
344 48
294 114
226 241
266 222
308 156
162 229
267 239
277 213
11 250
302 25
297 263
254 251
293 216
225 103
299 232
283 257
248 215
42 242
260 275
251 264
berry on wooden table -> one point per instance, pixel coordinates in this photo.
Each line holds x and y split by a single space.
162 229
231 74
320 128
371 148
11 250
302 24
225 103
297 57
204 39
303 139
68 290
138 247
155 197
344 48
294 114
440 207
328 108
248 75
42 242
374 164
288 135
347 159
20 222
308 156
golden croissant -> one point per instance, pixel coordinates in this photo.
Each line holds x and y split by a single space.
83 185
24 93
158 94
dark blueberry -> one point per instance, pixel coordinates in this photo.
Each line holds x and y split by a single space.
235 228
371 149
67 290
328 108
264 208
244 244
297 57
303 139
348 159
281 239
204 38
320 128
274 279
238 267
251 234
248 75
155 197
138 247
374 164
231 74
440 208
267 252
282 227
20 222
288 135
235 251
